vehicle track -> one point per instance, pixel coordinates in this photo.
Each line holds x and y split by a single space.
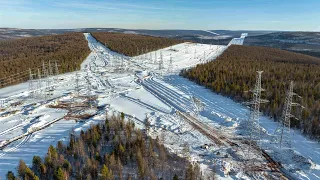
276 169
20 144
175 98
201 129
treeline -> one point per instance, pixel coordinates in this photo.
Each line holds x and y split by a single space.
111 150
310 53
233 74
132 44
69 50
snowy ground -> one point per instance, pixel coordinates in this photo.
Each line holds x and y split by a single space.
146 86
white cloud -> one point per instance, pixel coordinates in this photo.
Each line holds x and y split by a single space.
116 5
11 4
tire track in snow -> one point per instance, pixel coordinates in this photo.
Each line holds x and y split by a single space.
16 147
168 93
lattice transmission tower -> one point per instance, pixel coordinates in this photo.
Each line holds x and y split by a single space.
56 66
161 61
122 65
39 85
2 102
253 126
155 57
77 87
146 54
48 72
204 57
170 67
50 68
31 83
150 57
198 106
90 95
282 134
186 49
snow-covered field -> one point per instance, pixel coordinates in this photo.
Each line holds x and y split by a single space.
143 87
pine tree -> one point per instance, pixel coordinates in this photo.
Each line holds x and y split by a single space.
58 174
141 164
22 168
106 174
67 166
139 151
119 167
190 173
175 177
11 176
147 124
29 174
43 170
36 163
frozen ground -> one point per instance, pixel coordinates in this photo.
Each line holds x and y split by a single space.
302 160
143 87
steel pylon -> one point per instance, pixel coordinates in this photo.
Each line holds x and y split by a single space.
253 126
282 135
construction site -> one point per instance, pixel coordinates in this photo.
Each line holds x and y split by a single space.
232 140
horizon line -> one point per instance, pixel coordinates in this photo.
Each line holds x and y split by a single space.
165 29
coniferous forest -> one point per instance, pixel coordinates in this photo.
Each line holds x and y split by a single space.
233 74
114 149
69 50
133 44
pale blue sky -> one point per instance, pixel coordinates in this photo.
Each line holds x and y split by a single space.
163 14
